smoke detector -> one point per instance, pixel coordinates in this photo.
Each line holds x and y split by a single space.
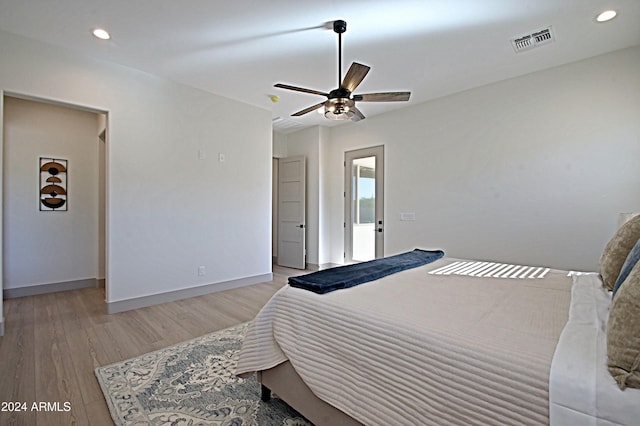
533 40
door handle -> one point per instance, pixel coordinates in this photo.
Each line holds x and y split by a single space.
300 226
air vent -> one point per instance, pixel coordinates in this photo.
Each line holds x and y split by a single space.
284 125
534 39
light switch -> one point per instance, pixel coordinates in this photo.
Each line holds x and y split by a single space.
221 157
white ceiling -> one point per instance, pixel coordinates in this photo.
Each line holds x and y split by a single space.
240 49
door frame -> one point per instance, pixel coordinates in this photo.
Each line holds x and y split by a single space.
349 157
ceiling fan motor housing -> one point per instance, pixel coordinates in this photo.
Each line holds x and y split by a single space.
340 92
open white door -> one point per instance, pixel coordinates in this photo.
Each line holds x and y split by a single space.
364 204
291 212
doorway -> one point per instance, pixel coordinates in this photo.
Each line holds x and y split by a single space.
34 129
364 204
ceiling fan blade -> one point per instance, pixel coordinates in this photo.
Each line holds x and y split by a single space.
358 116
383 97
306 110
300 89
357 72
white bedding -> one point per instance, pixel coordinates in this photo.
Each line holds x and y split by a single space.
582 392
414 348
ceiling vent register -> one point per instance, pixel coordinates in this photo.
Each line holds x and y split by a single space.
284 125
532 40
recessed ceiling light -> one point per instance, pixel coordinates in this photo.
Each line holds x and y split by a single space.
605 16
101 34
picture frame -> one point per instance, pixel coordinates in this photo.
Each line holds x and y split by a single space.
53 184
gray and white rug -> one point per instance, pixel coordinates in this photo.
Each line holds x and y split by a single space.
191 383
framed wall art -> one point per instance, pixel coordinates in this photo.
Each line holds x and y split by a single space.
53 184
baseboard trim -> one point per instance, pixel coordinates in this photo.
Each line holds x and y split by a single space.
172 296
1 326
34 290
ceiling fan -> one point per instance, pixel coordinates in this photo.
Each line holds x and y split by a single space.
341 102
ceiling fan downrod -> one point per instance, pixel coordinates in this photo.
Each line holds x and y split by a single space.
339 27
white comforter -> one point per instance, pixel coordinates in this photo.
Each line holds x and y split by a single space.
414 348
582 392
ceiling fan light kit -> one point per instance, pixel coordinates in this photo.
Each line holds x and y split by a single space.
339 109
340 104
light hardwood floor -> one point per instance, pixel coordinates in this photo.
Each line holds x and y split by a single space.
53 343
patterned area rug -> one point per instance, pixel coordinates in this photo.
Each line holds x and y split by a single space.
191 383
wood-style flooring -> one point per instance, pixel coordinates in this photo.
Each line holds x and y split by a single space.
53 343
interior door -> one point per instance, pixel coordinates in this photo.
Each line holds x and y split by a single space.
291 212
364 204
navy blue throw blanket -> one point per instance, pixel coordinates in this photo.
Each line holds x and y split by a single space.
340 277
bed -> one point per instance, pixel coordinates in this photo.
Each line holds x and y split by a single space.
450 342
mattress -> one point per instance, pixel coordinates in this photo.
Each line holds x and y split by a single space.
419 348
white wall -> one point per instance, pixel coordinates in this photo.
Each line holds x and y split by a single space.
43 247
533 169
102 205
279 151
324 216
279 145
168 211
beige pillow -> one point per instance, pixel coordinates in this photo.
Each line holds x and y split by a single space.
617 250
623 332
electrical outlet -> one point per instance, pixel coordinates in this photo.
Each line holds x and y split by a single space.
202 271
